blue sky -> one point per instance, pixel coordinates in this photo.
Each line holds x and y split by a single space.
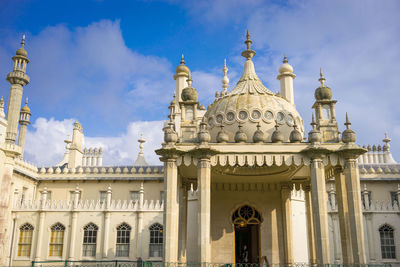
110 64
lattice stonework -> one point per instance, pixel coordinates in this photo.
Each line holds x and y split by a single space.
246 215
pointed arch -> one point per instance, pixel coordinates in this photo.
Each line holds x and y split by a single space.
123 240
25 239
156 240
246 214
89 239
56 239
388 247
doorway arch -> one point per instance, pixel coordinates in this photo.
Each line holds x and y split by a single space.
246 220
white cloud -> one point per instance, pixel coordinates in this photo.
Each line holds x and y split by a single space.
45 146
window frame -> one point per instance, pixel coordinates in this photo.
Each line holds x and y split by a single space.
387 242
156 240
122 248
24 229
57 233
89 235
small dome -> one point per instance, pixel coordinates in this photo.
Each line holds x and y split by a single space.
323 93
21 52
285 67
189 94
182 68
25 109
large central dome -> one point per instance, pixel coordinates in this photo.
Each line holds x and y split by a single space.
250 104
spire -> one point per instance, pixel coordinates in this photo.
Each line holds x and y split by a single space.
23 41
183 60
225 79
348 135
140 160
347 123
248 53
386 140
189 80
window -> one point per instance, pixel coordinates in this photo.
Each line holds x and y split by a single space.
56 240
89 240
25 240
123 239
387 242
156 240
394 197
103 197
134 195
363 198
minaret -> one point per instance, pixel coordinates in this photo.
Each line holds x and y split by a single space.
286 77
24 121
75 149
140 160
325 112
181 76
17 78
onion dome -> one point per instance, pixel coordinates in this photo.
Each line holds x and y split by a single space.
203 135
314 136
170 136
250 103
240 136
285 67
202 107
222 136
323 92
258 136
189 93
182 68
348 135
26 109
277 136
295 135
21 51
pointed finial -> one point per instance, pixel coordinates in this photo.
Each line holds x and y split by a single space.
141 141
26 101
23 41
347 123
313 123
248 53
189 80
285 60
225 79
183 60
321 77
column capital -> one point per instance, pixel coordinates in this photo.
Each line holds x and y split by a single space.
168 154
286 186
306 186
203 152
351 151
316 152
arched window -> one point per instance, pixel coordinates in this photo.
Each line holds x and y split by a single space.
156 240
388 247
56 240
90 240
123 240
25 240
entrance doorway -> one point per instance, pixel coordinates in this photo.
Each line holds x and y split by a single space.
247 222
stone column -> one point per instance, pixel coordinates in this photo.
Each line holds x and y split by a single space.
171 210
355 210
183 223
370 237
286 190
106 230
74 218
343 214
40 226
310 224
320 212
204 227
336 237
139 228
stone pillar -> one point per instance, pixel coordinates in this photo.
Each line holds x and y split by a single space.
355 210
343 214
204 227
139 228
370 237
171 210
106 230
336 237
320 212
310 224
74 218
286 190
183 223
40 226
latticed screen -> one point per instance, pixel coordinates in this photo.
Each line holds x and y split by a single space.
90 240
156 240
25 240
123 240
387 242
56 240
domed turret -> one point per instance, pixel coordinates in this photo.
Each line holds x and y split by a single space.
250 103
285 67
323 92
182 68
21 51
189 93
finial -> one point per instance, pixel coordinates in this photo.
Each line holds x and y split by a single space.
225 79
26 101
313 123
189 80
2 101
347 123
248 53
141 141
321 77
23 41
285 59
183 60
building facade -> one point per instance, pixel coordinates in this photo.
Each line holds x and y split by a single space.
238 182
